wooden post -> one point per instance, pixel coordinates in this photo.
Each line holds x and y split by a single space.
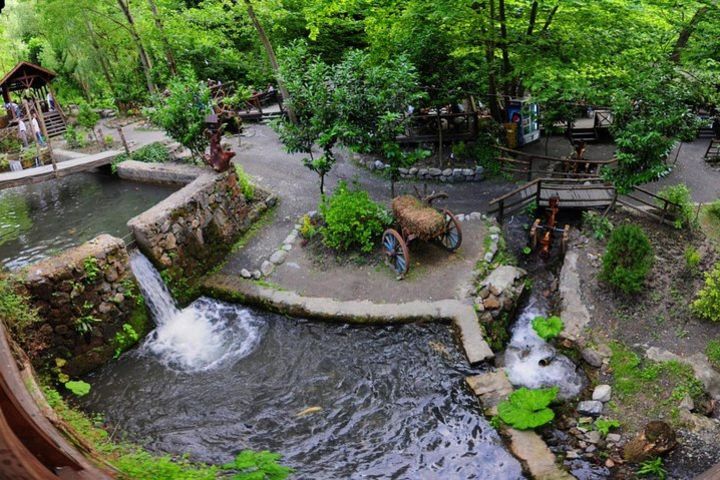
537 194
122 139
43 130
440 140
530 165
501 211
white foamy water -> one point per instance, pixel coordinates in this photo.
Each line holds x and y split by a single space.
200 337
533 363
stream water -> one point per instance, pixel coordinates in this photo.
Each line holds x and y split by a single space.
337 401
40 220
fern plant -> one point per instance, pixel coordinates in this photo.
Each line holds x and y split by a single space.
548 328
526 409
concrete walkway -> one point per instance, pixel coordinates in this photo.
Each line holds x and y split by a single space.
463 316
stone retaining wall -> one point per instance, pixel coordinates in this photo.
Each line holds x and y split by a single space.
193 229
84 296
159 173
448 175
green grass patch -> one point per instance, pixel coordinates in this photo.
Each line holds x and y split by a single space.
134 463
651 388
712 351
710 224
15 308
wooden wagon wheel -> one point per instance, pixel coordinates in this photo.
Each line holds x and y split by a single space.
451 237
534 234
565 237
396 251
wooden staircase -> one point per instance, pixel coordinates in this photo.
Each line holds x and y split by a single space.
586 134
712 154
54 123
706 131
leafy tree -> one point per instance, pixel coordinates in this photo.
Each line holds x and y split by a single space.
649 117
182 113
372 100
308 81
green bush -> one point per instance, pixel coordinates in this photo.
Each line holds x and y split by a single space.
74 137
245 183
714 209
547 328
627 260
684 212
352 219
712 351
152 153
87 117
600 225
692 258
526 409
707 303
182 113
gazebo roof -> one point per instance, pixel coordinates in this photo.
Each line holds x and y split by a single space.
26 75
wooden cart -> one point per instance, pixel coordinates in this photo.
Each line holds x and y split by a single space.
395 241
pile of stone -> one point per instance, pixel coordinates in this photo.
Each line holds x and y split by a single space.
447 175
499 292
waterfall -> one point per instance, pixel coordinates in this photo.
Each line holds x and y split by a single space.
531 362
157 296
202 336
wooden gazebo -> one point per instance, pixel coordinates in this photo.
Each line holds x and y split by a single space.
28 85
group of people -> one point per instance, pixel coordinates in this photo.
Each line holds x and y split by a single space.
36 131
27 112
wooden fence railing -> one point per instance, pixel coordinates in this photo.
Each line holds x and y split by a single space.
573 193
650 203
527 165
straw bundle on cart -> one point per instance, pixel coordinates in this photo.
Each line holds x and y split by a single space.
417 218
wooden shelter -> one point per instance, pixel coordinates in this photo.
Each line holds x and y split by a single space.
28 85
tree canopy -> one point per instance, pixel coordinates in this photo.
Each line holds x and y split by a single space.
664 54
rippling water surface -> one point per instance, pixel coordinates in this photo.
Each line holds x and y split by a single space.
388 402
37 221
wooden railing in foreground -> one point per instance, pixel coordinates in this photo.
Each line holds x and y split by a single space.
31 447
660 208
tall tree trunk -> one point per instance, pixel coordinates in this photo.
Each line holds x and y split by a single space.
271 56
490 60
533 18
506 68
104 66
550 18
169 56
144 58
687 32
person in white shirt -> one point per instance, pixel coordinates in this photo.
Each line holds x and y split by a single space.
22 132
50 101
36 130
